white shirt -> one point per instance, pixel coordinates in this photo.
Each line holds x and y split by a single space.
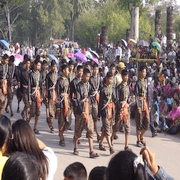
52 159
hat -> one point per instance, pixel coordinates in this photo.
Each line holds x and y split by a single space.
121 65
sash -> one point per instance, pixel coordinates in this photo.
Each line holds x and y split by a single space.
125 111
110 107
145 107
53 93
86 109
4 82
38 98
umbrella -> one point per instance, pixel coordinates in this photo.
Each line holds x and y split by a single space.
52 57
55 46
89 55
80 56
18 59
70 55
133 41
143 43
5 44
124 42
95 60
94 53
157 45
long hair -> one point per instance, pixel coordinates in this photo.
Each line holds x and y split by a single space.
21 166
121 168
5 134
24 140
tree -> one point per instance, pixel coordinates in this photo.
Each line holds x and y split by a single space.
8 7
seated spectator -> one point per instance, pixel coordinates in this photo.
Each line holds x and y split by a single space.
5 134
75 171
24 140
21 166
128 166
97 173
173 118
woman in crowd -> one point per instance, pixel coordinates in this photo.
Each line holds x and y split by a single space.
5 138
25 141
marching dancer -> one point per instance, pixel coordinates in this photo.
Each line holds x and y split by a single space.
142 113
3 81
107 111
63 103
13 73
122 109
51 80
35 93
83 114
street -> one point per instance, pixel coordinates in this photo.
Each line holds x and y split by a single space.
166 147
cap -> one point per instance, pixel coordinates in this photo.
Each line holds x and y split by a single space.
121 65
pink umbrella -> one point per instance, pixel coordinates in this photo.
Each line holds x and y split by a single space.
70 55
95 60
18 59
18 56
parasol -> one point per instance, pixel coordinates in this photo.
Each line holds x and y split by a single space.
80 56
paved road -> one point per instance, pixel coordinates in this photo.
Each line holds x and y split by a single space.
166 147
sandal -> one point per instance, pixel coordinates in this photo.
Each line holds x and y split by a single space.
12 114
6 109
51 130
92 154
62 143
111 150
36 131
22 114
116 137
18 111
143 142
102 148
139 144
98 138
127 148
76 152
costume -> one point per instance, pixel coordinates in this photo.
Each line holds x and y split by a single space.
51 80
13 73
83 106
122 108
24 83
3 84
106 108
63 103
141 92
95 82
35 92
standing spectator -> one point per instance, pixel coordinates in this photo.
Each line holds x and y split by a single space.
118 53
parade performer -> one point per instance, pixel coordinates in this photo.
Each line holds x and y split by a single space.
73 87
122 109
106 111
95 81
21 68
142 113
83 114
63 103
13 74
35 93
51 80
24 82
44 71
3 81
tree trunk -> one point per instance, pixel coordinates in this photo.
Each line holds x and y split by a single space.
158 23
128 34
7 12
104 35
135 24
169 26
